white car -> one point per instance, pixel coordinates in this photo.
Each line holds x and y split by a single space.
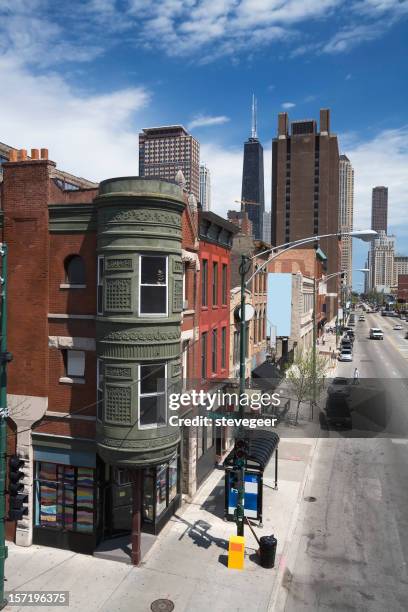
398 327
376 333
345 355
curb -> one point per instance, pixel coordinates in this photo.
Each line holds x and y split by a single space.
277 600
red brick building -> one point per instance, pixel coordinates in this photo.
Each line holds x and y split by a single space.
60 236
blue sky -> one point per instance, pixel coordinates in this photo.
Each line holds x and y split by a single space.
82 78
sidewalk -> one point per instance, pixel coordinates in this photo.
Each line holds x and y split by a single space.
187 564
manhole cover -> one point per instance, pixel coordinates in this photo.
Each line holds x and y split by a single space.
310 498
162 605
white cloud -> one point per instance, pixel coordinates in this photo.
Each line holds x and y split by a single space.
206 120
349 37
225 165
89 135
288 105
381 161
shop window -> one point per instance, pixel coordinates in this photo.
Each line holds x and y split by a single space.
152 395
75 270
99 296
172 479
64 497
153 285
161 489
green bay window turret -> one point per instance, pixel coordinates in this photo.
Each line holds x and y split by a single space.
140 300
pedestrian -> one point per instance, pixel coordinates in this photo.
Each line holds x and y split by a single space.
334 355
356 376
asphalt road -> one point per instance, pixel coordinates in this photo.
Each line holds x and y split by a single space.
350 550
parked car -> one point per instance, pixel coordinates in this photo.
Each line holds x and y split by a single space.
376 334
339 387
336 413
406 335
345 355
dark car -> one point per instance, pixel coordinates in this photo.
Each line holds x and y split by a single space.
337 412
339 387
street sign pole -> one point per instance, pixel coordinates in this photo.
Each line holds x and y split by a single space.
3 422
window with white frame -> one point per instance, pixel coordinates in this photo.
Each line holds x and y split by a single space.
153 295
74 364
99 295
152 395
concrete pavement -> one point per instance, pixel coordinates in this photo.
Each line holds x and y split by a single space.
187 564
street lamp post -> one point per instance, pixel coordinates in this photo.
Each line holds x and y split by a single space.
366 235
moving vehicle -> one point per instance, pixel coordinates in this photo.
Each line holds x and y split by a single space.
361 318
345 355
398 327
376 334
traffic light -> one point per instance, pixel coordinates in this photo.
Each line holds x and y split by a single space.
241 451
17 499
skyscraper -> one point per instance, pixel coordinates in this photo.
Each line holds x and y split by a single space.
252 193
379 209
267 227
381 262
305 185
205 187
346 201
165 150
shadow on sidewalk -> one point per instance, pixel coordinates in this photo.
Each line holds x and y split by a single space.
199 533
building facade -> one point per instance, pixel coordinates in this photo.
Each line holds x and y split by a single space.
346 205
166 150
379 209
381 263
267 227
205 187
305 186
112 276
400 267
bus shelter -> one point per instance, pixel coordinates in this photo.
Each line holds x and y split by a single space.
262 445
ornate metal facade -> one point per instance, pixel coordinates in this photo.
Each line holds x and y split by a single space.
136 217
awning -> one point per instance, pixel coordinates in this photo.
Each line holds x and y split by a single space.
262 444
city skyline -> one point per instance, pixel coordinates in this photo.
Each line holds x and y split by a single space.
90 94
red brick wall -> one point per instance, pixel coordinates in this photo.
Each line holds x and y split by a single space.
73 301
25 196
215 317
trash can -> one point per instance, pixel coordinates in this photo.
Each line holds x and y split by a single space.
267 550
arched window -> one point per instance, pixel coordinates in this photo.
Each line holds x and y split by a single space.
75 270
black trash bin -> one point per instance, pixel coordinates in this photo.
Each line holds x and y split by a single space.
267 550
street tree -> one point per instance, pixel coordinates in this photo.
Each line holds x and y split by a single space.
305 377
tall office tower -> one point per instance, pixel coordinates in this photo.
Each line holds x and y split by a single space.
252 193
305 185
379 209
267 227
165 150
205 187
346 201
381 262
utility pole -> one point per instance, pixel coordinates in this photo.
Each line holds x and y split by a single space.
240 466
4 358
